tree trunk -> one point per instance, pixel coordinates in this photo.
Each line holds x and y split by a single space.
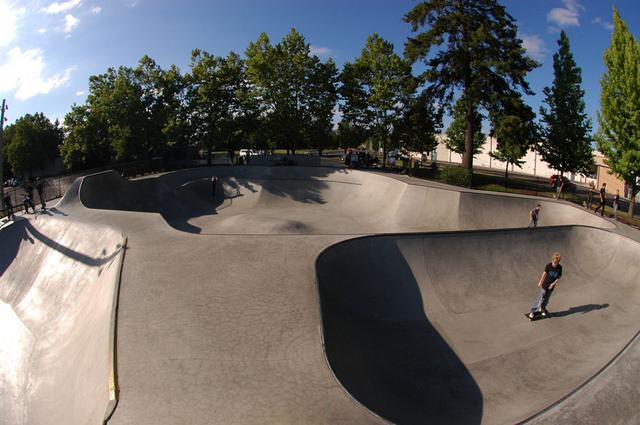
506 176
467 157
209 155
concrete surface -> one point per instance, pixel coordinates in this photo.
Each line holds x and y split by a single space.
58 283
226 303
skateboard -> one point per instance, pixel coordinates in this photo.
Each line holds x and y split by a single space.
537 316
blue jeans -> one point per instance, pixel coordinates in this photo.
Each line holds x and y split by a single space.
541 302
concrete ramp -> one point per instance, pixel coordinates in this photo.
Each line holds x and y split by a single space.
430 328
316 200
58 291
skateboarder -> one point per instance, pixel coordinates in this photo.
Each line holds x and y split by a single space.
533 216
28 199
603 192
547 283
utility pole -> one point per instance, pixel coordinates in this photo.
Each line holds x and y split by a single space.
2 120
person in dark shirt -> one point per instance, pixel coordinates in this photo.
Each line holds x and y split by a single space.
8 207
533 216
603 192
547 283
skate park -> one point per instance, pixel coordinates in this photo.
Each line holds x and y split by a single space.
265 294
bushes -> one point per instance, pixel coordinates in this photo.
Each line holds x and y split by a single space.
455 176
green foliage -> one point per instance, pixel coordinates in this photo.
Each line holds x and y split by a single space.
31 142
211 99
457 130
416 129
130 114
456 176
515 131
375 88
297 92
566 133
469 47
619 116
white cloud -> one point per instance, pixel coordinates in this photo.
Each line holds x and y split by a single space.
24 74
9 21
131 3
534 45
604 24
56 7
80 93
70 22
566 16
320 51
42 31
96 9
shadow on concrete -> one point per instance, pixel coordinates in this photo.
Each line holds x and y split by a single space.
22 230
380 344
582 309
182 196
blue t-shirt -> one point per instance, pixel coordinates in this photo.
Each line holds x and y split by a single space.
553 273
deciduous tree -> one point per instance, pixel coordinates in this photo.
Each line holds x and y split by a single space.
619 116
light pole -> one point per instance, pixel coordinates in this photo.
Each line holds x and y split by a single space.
2 120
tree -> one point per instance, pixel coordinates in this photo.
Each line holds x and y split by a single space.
456 133
285 80
619 116
212 98
86 142
323 95
417 128
374 87
31 142
566 132
515 131
130 114
477 53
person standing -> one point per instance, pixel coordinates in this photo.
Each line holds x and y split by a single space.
547 283
616 204
592 191
533 216
603 191
8 207
40 189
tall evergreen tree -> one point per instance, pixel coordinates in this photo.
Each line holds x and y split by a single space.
619 116
471 47
566 132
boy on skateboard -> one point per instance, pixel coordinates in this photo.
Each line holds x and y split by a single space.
533 216
547 283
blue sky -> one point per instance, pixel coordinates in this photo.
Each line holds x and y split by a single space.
48 49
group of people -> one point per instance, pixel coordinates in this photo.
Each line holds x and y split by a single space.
357 159
602 198
28 199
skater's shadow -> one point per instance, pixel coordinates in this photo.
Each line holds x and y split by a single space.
582 309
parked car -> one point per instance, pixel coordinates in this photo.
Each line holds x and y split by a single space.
250 152
569 186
